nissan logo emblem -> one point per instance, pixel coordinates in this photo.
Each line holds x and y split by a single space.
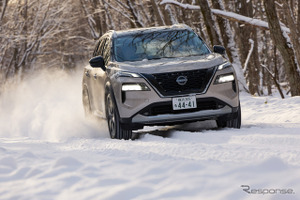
181 80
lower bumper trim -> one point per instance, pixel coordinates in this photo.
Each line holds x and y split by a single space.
170 118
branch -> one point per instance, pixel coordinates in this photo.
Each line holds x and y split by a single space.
135 14
249 55
228 15
3 9
119 11
182 5
274 79
94 33
245 20
121 4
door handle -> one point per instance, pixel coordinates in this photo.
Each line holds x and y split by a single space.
87 73
95 76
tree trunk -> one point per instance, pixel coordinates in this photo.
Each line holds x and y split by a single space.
166 14
209 22
151 13
98 18
294 31
245 34
298 19
225 33
134 14
3 6
157 13
173 17
105 14
230 45
284 47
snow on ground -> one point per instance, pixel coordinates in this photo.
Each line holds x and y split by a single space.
49 151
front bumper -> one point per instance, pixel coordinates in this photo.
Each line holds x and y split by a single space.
163 114
136 107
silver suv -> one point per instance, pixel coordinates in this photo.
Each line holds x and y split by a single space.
159 76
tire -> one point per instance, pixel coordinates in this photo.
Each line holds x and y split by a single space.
113 119
231 123
86 103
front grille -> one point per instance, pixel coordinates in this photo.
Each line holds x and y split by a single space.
197 81
166 108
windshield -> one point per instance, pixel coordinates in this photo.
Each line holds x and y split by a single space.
156 45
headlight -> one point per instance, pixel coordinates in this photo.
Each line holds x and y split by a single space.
127 74
224 78
224 65
135 87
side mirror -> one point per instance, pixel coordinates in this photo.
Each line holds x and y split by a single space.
219 49
97 62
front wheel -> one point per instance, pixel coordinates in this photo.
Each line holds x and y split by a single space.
113 119
231 123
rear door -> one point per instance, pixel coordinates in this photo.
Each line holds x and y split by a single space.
87 79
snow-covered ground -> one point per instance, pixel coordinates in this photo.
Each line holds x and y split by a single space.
49 151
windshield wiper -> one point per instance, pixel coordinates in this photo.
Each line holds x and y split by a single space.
153 57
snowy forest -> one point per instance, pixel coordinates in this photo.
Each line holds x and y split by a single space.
261 37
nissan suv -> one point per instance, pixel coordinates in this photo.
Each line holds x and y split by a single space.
159 76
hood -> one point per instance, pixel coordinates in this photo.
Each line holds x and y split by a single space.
172 64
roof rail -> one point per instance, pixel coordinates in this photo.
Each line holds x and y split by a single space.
181 26
111 31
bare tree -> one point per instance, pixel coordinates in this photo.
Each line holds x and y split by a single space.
52 33
209 22
157 13
294 35
246 37
40 31
282 42
3 6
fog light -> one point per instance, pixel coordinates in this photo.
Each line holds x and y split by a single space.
224 78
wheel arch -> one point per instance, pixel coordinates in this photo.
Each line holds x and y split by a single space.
108 88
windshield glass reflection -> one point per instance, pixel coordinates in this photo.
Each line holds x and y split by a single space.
156 45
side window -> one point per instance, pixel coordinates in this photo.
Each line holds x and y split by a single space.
106 50
96 48
103 49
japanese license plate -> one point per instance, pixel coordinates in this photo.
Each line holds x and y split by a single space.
187 102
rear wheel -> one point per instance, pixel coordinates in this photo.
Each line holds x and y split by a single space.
113 120
231 123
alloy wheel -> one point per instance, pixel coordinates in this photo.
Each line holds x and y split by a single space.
111 120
